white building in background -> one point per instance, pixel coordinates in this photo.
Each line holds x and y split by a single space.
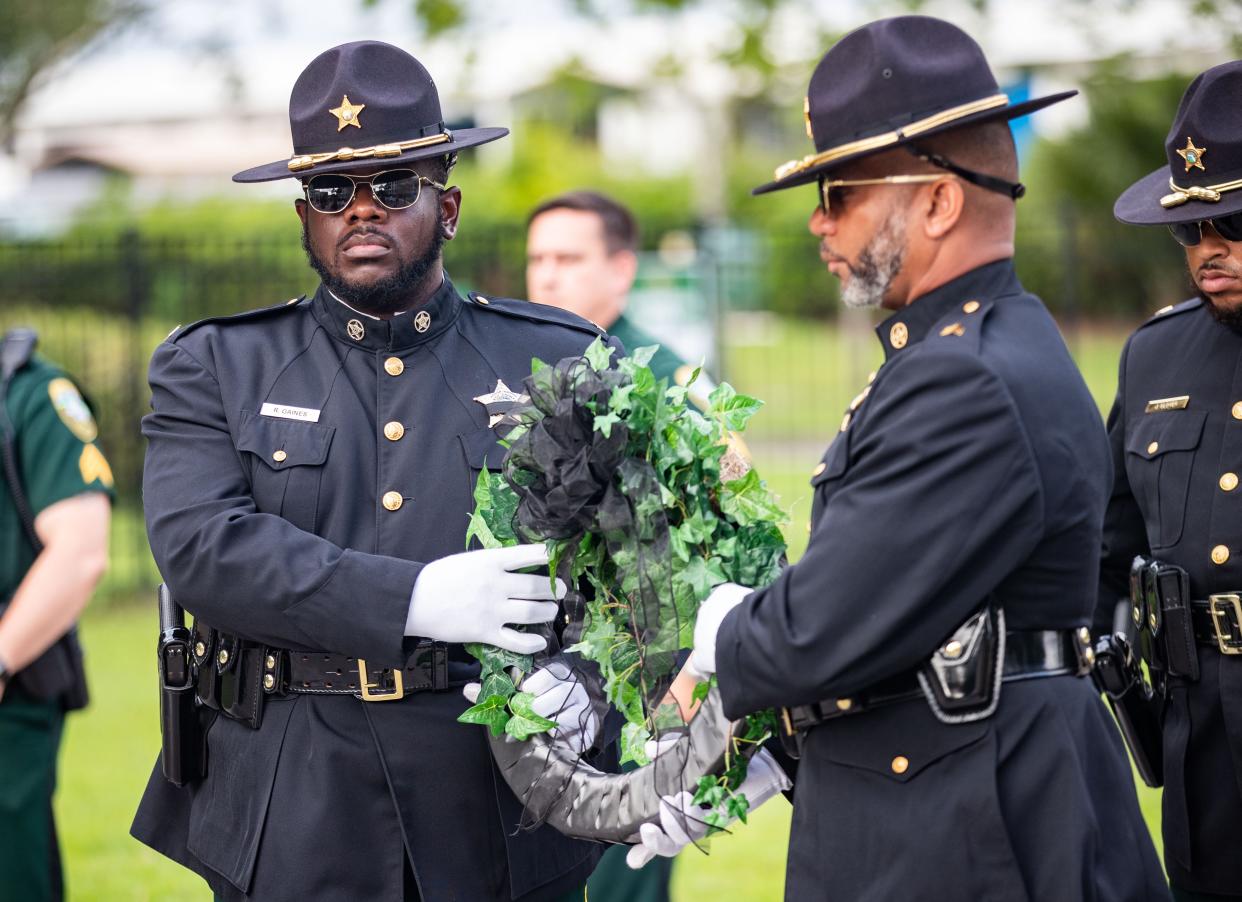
201 91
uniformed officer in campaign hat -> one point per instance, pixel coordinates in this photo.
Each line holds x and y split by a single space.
927 656
1176 435
55 506
307 487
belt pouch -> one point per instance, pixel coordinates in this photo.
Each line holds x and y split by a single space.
1173 590
961 680
208 686
241 685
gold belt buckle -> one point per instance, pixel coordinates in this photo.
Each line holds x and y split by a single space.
364 680
1229 643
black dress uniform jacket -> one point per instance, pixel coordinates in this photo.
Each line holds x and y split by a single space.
973 467
277 529
1175 497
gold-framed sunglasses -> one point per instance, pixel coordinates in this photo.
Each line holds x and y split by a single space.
827 186
395 189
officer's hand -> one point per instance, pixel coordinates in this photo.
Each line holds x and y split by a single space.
724 598
470 597
682 822
561 696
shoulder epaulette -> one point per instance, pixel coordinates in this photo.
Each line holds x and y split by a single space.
536 313
964 323
245 315
1173 309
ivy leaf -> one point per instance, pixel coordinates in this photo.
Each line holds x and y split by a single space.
598 354
736 807
490 712
494 658
733 409
642 356
604 423
497 683
634 738
525 722
701 690
748 500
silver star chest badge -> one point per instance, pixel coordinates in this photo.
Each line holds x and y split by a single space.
499 402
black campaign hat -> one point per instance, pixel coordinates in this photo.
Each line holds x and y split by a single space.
1204 151
365 102
890 83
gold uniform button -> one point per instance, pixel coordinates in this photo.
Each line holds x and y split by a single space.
898 335
1220 554
200 650
393 366
393 500
270 662
393 431
482 300
900 764
1084 635
269 682
819 468
970 306
871 377
1237 411
844 704
223 657
1229 481
1153 447
279 455
953 649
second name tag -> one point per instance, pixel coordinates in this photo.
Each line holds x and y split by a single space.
1178 403
287 412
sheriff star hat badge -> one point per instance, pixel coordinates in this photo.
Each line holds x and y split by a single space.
347 113
1192 155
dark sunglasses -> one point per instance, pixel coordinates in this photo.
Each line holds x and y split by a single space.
1188 234
395 189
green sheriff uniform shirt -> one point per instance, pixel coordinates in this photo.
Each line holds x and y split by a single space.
665 364
57 454
58 458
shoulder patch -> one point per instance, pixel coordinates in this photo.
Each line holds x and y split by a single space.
1173 310
532 312
71 407
260 313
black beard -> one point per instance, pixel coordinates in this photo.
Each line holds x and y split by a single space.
387 296
1229 318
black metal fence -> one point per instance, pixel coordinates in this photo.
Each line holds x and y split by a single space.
101 307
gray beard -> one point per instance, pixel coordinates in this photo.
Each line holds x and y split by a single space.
878 264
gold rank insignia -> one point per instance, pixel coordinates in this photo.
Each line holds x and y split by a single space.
806 115
94 466
1192 155
499 402
347 113
72 410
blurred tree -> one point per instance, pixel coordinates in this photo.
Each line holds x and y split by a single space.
37 34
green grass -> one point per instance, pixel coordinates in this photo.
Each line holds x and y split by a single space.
806 372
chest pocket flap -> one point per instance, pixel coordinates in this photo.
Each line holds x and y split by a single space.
282 444
897 742
832 465
1156 434
483 449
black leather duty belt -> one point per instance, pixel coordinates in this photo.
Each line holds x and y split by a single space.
302 672
1218 622
1029 654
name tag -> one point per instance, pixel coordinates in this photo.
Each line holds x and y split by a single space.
1178 403
286 412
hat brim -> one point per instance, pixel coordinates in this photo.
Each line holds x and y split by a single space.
1013 111
462 138
1140 203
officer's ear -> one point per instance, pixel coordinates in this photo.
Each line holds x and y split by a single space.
299 205
944 201
450 210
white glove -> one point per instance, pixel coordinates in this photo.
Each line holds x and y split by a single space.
469 597
560 696
724 598
682 822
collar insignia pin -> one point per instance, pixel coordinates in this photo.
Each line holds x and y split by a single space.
347 113
1192 155
422 321
355 330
